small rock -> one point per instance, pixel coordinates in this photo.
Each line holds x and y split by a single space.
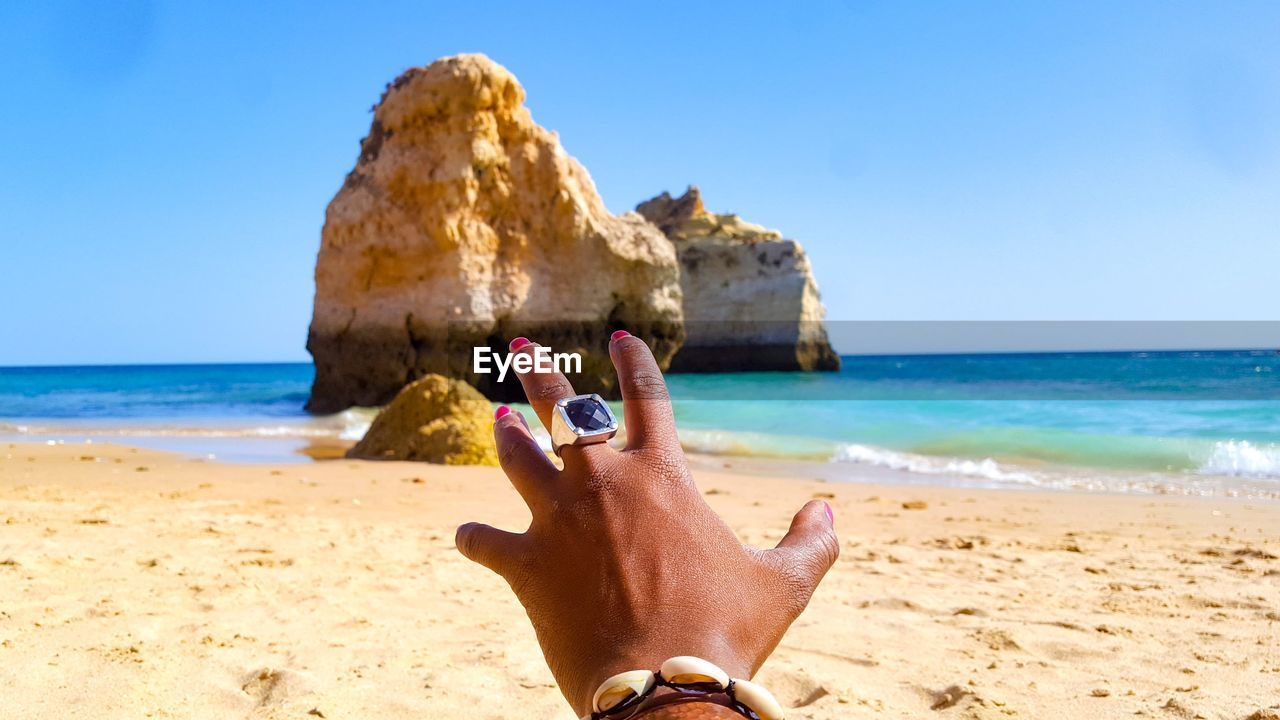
433 419
949 697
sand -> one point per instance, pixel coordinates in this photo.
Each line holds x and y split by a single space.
135 584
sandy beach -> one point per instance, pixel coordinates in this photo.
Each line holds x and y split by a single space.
136 584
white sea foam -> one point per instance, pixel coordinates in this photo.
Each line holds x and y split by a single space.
719 442
748 444
349 424
987 468
355 422
1241 458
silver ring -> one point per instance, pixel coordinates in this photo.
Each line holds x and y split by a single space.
581 420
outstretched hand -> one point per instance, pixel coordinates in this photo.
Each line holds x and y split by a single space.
624 564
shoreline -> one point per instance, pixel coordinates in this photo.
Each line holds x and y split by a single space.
1198 423
238 449
201 589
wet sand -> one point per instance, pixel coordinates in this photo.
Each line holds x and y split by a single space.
137 584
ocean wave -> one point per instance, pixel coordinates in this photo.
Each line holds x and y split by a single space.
355 422
1241 458
986 469
271 431
750 444
349 424
1215 482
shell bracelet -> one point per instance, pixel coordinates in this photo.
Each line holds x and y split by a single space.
625 694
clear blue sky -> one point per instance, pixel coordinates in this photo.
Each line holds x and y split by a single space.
165 167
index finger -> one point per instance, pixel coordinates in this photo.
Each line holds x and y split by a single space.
542 389
646 403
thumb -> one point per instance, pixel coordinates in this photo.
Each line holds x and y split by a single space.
810 547
493 548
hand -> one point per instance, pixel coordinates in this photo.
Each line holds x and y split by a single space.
624 564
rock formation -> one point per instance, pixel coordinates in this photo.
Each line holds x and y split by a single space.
464 223
433 419
750 300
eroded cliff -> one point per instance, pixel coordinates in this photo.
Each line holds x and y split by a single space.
750 298
464 224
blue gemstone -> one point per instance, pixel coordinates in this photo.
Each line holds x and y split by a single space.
588 414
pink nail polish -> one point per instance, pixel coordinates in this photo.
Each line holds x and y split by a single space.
518 343
618 335
831 516
503 411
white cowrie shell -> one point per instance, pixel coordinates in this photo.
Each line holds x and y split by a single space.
760 701
684 670
620 687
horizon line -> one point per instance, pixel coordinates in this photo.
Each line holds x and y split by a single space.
931 353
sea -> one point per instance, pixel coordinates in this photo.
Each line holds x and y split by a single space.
1192 423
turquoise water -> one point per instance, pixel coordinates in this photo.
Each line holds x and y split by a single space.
995 419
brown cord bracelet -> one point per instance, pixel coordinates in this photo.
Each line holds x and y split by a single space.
698 684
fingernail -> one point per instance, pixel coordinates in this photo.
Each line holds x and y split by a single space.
518 343
831 517
618 335
503 410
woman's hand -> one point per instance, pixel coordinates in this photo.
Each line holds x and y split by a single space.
624 564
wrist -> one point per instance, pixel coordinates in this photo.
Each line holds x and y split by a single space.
714 649
677 707
681 680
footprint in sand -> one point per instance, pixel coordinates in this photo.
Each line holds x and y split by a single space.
797 689
997 639
1173 707
895 603
273 687
966 703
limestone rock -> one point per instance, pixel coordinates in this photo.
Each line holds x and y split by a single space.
464 224
750 299
434 419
